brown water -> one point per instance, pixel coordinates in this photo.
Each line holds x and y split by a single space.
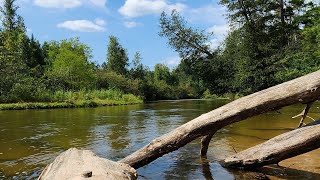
30 139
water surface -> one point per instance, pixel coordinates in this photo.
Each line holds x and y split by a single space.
30 139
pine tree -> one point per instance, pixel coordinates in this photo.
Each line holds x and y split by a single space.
117 58
138 71
12 37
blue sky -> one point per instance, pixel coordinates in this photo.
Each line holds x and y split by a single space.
134 22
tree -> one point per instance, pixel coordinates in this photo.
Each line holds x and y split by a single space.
11 21
33 56
263 30
192 45
138 71
12 35
198 59
304 57
70 68
185 40
117 58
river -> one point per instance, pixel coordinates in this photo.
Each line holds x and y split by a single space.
30 139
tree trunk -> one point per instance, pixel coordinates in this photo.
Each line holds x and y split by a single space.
279 148
301 90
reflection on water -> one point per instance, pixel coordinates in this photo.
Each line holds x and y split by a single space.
30 139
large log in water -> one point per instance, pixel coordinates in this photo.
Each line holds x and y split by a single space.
83 164
301 90
279 148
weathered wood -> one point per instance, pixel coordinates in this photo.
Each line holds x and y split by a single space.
301 90
205 141
279 148
304 113
84 164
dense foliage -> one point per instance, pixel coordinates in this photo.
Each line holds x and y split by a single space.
270 42
31 72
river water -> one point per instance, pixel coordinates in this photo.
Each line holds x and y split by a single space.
30 139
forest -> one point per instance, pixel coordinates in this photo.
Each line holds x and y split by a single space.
270 42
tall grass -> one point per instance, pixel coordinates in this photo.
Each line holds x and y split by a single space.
70 99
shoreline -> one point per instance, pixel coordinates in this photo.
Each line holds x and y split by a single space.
81 104
57 105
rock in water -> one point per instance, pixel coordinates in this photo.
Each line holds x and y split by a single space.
84 164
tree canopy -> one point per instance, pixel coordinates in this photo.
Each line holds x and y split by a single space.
269 42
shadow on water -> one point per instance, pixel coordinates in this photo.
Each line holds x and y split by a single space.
288 173
271 129
214 171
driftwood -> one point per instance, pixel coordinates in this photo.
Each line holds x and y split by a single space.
80 164
279 148
83 164
305 89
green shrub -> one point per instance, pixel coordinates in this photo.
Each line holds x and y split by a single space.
28 89
208 95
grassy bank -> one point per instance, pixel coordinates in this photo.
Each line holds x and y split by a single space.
68 99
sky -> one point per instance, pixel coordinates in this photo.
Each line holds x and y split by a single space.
134 22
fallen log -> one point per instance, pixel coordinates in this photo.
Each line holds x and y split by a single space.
279 148
305 89
82 164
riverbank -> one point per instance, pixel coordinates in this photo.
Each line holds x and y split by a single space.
77 100
55 105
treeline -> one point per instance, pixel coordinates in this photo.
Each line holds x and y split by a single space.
269 42
61 70
161 83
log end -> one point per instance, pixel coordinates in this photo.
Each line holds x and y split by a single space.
84 164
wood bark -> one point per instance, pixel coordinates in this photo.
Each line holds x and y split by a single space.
284 146
205 141
301 90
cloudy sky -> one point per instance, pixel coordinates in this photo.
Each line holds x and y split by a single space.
134 22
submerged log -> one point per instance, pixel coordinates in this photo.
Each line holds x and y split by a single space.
279 148
305 89
83 164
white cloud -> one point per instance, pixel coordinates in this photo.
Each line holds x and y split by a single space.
219 30
130 24
172 61
214 43
82 26
214 16
65 4
99 3
219 34
100 22
136 8
207 14
58 3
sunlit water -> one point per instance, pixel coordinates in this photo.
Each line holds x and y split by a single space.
31 139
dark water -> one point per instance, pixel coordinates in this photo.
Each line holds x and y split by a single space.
30 139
